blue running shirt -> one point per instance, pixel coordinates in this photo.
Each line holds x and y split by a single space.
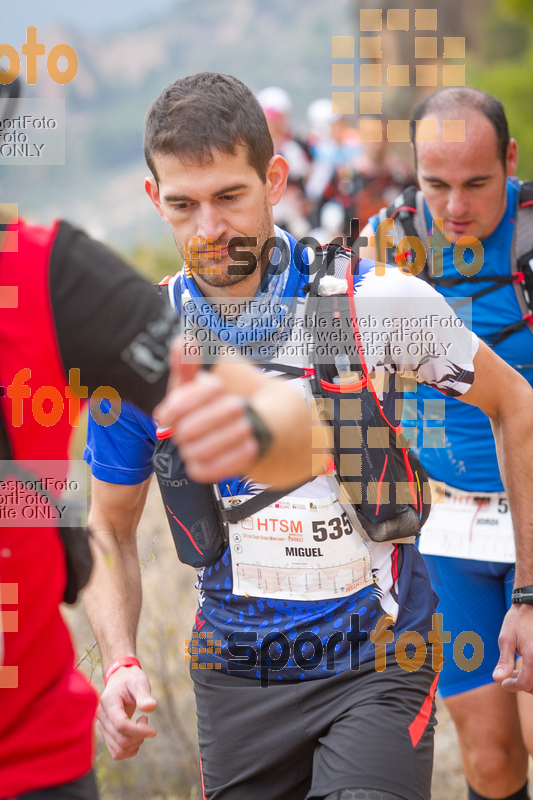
315 638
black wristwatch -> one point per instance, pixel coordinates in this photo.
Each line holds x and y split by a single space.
523 595
261 432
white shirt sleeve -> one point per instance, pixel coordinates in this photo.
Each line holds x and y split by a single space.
406 326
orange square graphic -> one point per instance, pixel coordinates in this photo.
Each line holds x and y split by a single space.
9 296
426 74
9 211
10 621
406 381
351 492
9 594
433 437
342 46
398 130
351 408
426 130
404 493
409 435
398 75
370 74
342 74
378 436
370 130
370 46
321 437
370 103
398 19
378 493
9 677
453 130
350 465
425 47
9 242
426 19
380 380
317 465
342 102
350 436
323 408
370 19
453 75
454 47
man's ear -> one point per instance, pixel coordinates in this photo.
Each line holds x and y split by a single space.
512 158
276 178
152 190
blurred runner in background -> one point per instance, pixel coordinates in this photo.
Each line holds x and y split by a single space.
372 179
292 210
468 539
74 317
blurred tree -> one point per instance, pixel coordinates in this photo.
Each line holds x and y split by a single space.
454 18
522 9
499 57
156 260
503 65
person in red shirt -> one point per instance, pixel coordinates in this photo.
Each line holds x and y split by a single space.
79 317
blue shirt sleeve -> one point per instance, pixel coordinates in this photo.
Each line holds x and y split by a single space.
122 452
374 221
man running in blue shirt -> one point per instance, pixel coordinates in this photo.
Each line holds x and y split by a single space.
468 540
345 714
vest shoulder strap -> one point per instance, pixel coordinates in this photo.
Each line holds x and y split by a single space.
521 261
408 215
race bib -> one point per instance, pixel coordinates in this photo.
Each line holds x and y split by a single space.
468 525
299 549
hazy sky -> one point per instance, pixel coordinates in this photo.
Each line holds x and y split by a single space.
92 16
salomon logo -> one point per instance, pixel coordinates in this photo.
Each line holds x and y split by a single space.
163 464
175 484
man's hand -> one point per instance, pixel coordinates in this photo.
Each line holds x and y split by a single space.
211 429
215 435
516 637
507 399
128 688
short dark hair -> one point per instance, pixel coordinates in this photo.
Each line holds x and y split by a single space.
460 97
201 113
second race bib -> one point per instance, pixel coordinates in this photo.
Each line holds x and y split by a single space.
468 525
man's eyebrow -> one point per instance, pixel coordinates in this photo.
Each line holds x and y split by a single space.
181 198
476 178
473 179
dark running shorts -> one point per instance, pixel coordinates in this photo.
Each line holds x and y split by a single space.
83 789
297 741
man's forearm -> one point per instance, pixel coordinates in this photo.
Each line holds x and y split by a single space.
114 595
513 435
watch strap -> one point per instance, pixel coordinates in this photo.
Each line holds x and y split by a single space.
260 430
523 594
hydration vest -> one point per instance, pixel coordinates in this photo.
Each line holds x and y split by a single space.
408 214
376 477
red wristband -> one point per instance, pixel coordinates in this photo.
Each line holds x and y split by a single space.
128 661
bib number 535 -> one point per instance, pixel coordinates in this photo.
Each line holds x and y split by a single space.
334 528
